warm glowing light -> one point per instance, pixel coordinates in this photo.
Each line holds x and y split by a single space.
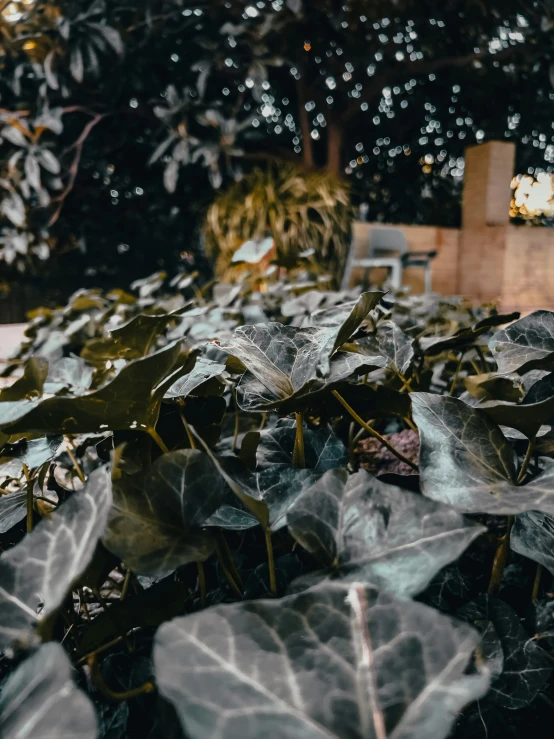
533 197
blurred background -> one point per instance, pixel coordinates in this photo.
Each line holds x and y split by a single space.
142 135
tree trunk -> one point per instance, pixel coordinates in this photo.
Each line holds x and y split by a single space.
334 147
307 151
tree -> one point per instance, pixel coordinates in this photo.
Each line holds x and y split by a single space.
119 118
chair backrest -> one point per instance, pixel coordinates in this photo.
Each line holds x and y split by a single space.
387 241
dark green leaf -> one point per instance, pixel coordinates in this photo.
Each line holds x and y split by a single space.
392 343
249 669
130 400
368 531
69 373
524 666
130 341
30 385
203 371
41 569
40 700
533 536
526 344
156 519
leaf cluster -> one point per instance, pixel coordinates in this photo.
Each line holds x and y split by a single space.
184 510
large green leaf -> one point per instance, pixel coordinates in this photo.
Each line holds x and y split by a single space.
334 661
41 569
526 344
156 519
467 462
283 361
361 529
130 341
130 400
253 395
40 700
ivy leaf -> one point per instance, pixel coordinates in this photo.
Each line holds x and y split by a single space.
34 453
254 395
526 417
30 384
464 337
156 519
131 400
467 462
392 343
323 450
285 360
524 666
526 344
130 341
275 481
532 536
203 371
13 508
247 669
69 373
40 699
362 529
37 574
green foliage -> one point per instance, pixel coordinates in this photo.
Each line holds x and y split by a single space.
183 510
118 119
303 212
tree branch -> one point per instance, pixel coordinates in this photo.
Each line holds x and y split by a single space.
416 69
77 145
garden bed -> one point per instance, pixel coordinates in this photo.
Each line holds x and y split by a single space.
300 512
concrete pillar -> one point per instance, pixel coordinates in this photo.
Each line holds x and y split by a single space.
485 220
488 173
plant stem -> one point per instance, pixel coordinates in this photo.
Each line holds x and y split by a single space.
527 460
187 429
226 571
458 368
500 559
103 689
298 456
271 563
536 584
201 583
372 432
30 500
78 470
407 385
410 423
125 587
157 438
236 431
484 364
230 560
115 621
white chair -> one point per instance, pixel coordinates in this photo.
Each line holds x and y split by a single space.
388 248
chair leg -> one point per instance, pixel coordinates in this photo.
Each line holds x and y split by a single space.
396 276
428 278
